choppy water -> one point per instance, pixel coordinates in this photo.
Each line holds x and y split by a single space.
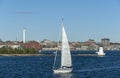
41 66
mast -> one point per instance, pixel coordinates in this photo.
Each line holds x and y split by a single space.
62 44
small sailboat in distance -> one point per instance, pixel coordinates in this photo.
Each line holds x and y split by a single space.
100 52
66 62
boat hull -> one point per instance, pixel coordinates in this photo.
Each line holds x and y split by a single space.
101 54
62 70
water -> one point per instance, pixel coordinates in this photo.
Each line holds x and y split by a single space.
41 66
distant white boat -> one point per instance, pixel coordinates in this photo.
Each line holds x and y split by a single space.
100 52
66 63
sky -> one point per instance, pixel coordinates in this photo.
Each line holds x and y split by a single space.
83 19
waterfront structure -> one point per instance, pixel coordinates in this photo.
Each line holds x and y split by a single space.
33 44
53 45
24 35
84 47
105 42
114 46
16 46
100 52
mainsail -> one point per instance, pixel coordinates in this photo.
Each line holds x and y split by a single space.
65 53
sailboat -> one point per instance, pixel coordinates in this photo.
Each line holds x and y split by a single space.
100 52
66 63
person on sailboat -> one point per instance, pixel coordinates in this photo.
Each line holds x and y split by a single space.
64 67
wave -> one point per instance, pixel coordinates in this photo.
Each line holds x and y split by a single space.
97 69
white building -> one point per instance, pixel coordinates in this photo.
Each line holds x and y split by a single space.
16 46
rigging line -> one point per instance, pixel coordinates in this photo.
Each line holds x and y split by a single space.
56 52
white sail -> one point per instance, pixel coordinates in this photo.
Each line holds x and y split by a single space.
65 53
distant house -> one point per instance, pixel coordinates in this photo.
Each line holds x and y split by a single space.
84 48
16 46
32 44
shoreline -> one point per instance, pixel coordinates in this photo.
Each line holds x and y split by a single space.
21 54
44 55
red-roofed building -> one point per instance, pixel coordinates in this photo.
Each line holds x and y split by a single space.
33 44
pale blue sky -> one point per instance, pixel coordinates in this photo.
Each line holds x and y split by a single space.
83 19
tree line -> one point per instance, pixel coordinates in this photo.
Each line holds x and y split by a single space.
9 50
